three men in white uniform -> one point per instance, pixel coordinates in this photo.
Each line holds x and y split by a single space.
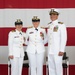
16 52
57 37
35 48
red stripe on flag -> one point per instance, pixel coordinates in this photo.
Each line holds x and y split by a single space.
71 36
37 3
4 36
4 70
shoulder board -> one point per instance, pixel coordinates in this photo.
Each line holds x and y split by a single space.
49 22
30 27
48 27
13 31
43 27
60 22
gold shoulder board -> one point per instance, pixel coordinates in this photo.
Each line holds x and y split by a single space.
43 27
30 27
60 22
49 22
13 31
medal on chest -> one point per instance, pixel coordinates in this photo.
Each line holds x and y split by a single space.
55 29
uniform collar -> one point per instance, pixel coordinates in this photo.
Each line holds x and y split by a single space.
18 31
55 22
37 27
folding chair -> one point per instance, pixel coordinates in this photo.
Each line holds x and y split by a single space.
26 62
65 64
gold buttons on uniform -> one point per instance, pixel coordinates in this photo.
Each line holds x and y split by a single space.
50 38
20 44
50 43
35 43
21 38
50 28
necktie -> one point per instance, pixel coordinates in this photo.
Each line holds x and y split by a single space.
36 29
20 33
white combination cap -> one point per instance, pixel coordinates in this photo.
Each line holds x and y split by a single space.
54 11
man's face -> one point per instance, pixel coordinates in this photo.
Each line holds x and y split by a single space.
19 27
53 17
36 24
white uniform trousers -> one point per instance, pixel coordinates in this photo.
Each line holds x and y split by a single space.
16 65
55 65
36 63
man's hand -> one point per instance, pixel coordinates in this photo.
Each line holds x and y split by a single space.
11 57
61 53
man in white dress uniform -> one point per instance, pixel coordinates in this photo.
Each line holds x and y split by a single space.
57 37
16 40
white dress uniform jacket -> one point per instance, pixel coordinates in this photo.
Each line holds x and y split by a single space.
36 40
15 43
57 37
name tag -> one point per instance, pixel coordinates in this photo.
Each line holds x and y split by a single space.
16 37
31 32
